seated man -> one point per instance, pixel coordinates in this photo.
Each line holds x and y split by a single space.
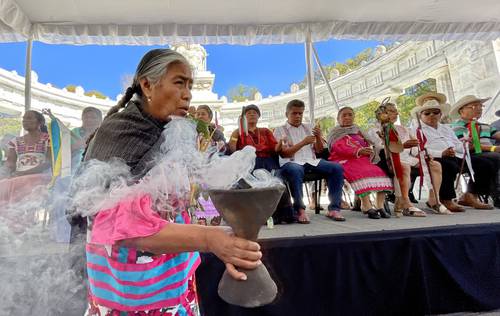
483 138
298 156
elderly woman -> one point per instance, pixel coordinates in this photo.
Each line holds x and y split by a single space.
28 159
350 148
142 251
205 114
443 145
267 150
483 143
408 159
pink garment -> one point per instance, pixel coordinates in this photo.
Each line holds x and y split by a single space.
363 176
130 218
15 189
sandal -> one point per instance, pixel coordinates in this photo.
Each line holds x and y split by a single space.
336 216
414 212
439 209
302 218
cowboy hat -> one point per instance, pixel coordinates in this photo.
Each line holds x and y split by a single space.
441 98
463 102
431 104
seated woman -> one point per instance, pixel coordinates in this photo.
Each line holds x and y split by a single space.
408 160
267 150
91 120
205 114
349 147
28 157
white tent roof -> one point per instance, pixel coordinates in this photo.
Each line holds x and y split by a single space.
144 22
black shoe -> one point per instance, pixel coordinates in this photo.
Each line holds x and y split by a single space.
383 213
412 198
372 213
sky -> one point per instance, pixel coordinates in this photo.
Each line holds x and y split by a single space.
270 68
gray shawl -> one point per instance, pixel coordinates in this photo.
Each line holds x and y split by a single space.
131 135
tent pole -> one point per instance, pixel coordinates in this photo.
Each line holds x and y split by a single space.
27 76
310 76
323 74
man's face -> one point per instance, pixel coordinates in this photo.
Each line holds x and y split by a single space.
473 110
294 116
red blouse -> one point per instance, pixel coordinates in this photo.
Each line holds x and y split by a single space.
262 139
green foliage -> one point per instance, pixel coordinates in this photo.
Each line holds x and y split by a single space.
343 68
326 124
10 126
241 93
406 102
95 93
365 115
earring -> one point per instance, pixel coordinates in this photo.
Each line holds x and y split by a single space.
148 98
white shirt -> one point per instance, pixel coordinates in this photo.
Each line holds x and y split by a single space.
441 138
295 135
404 136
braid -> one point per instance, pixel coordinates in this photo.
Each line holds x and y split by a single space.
129 93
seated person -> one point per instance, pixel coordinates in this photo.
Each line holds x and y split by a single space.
349 147
443 145
267 150
298 156
205 114
28 157
482 146
408 160
91 120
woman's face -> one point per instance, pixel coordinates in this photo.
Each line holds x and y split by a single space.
346 118
171 95
252 116
91 121
203 115
30 123
431 117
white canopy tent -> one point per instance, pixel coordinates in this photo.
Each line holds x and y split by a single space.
246 22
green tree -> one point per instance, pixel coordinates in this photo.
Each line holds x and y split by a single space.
365 115
71 88
241 93
95 93
10 125
326 124
406 102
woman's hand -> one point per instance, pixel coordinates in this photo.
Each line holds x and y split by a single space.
410 143
234 251
365 151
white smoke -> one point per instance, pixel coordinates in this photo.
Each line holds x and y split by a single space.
42 277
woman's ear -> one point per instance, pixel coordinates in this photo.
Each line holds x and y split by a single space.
146 87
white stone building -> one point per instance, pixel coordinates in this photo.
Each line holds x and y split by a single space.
459 68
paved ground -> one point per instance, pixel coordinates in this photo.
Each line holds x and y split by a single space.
358 223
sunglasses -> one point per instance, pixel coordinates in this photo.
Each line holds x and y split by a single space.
435 112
